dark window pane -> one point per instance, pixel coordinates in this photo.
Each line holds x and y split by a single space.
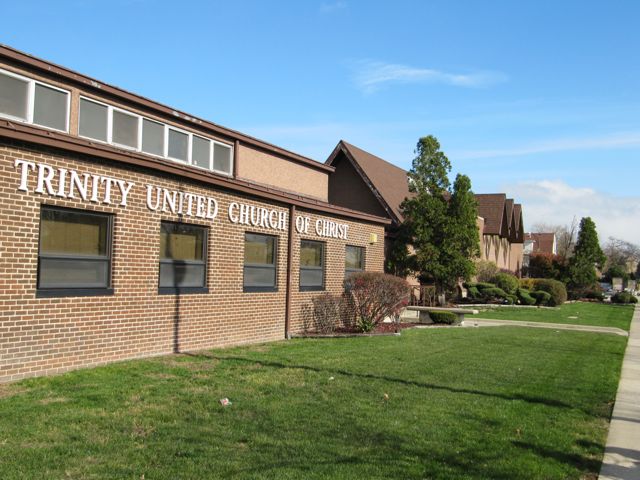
182 242
354 258
50 107
71 233
200 152
13 96
259 249
311 253
93 120
178 145
311 277
125 129
73 273
152 137
221 158
259 276
176 274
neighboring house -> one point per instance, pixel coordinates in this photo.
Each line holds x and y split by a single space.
503 231
365 182
539 243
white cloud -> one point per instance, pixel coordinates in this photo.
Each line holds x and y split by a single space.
556 202
615 140
370 76
330 7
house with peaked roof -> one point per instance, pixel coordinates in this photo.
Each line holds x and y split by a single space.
365 182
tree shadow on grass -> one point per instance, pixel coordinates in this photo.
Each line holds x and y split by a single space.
574 460
431 386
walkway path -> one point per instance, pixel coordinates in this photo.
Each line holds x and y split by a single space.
489 322
622 453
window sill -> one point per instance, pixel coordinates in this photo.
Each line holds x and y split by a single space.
73 292
312 289
259 289
182 290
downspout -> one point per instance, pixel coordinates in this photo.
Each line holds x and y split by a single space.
287 307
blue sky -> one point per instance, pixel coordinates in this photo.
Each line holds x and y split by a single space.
538 99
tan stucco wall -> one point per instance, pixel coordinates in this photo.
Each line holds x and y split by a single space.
266 169
516 257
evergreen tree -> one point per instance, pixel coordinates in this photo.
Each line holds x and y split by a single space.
587 256
441 225
463 240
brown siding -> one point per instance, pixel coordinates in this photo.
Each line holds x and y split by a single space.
348 189
48 335
266 169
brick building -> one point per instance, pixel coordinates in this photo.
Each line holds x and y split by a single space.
130 229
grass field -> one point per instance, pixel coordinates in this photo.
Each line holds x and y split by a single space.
579 313
492 403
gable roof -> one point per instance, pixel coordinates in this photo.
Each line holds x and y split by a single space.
491 207
388 182
542 242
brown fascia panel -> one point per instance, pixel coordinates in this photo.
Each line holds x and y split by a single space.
63 141
25 60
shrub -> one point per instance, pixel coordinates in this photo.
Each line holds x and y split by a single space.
484 285
525 297
556 288
495 293
527 284
594 295
542 297
326 312
510 299
506 281
376 296
486 270
448 318
473 293
624 297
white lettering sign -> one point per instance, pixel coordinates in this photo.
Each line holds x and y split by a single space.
323 228
257 216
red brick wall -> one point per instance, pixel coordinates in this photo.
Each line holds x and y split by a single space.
48 335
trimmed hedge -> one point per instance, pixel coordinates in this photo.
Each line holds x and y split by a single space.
555 288
494 292
447 318
525 297
541 297
484 285
507 282
624 297
473 293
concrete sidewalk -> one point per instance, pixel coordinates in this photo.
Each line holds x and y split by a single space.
489 322
622 453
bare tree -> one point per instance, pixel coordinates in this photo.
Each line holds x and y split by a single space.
566 236
621 253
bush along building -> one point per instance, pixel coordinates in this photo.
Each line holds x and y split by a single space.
131 229
363 181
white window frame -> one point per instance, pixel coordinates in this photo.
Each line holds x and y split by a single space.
166 146
210 168
167 127
138 147
222 172
31 93
89 99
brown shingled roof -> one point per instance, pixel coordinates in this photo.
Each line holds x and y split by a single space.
542 242
491 207
388 182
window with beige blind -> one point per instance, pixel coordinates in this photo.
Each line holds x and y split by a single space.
259 263
74 255
311 265
183 256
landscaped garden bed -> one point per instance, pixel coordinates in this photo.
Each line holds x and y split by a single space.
443 403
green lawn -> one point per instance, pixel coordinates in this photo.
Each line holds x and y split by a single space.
598 314
489 403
